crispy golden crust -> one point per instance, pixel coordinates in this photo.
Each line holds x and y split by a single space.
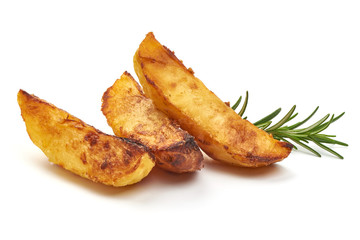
80 148
131 114
218 130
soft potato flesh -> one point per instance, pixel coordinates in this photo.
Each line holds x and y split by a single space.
218 130
133 115
74 145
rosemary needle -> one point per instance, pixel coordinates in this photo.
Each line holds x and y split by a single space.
268 117
244 105
294 134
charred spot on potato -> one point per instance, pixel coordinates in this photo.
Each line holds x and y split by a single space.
186 146
83 158
134 151
127 74
193 86
92 138
106 145
104 164
129 153
286 145
190 142
178 160
133 143
181 156
126 160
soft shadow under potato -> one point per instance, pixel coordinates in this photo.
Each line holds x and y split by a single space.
156 177
81 182
274 171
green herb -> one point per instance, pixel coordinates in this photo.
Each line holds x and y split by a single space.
294 134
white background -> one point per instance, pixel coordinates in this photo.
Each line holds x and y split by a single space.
283 52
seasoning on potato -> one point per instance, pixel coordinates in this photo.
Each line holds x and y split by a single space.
219 131
133 115
80 148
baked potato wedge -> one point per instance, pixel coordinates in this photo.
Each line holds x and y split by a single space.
133 115
72 144
218 130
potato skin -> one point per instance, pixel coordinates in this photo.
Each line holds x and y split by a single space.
133 115
218 130
80 148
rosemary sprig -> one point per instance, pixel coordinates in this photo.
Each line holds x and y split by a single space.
294 134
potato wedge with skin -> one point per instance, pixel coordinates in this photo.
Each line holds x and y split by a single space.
80 148
218 130
133 115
